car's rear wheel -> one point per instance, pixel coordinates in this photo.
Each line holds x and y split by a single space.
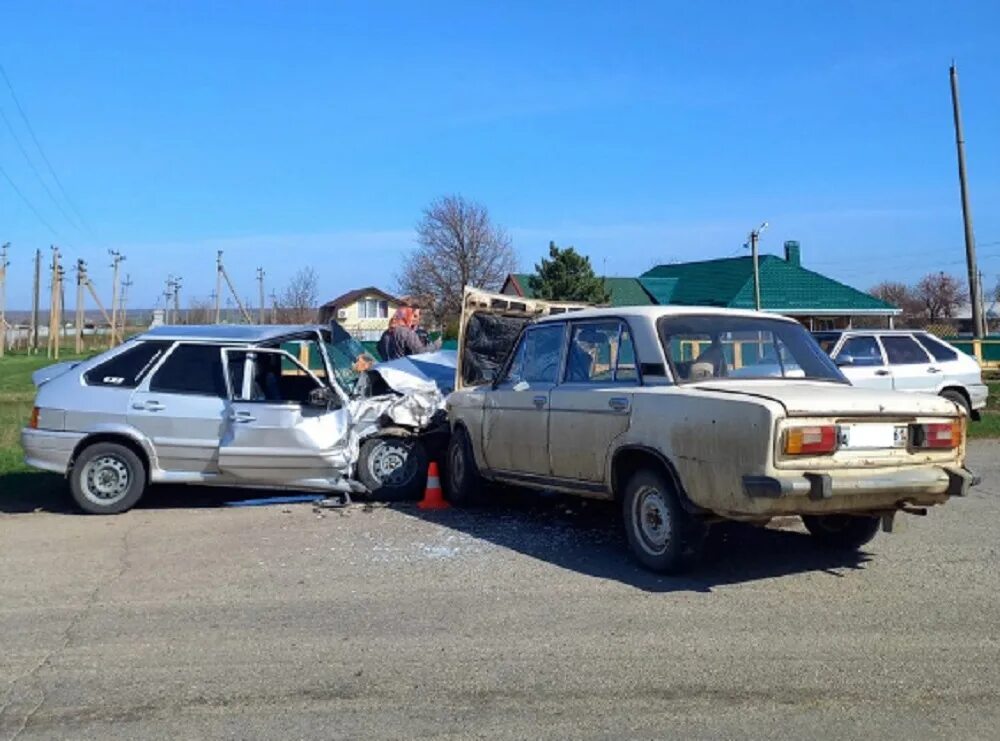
393 468
464 485
959 398
107 478
662 535
842 532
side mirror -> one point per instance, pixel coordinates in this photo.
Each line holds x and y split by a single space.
843 361
321 397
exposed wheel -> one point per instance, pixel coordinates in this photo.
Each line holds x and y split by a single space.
463 483
107 478
843 532
959 398
393 468
662 536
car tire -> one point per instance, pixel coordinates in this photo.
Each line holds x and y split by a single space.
663 537
959 398
464 485
393 468
107 479
842 532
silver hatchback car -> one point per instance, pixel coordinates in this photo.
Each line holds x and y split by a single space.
271 406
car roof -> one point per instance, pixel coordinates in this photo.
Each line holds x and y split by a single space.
655 312
250 333
876 331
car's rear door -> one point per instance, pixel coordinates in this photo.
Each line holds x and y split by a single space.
180 407
516 410
867 367
592 405
912 368
273 432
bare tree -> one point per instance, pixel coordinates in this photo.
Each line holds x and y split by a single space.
458 246
902 297
940 296
201 311
297 303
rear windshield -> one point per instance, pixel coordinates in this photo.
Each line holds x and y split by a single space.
707 347
827 340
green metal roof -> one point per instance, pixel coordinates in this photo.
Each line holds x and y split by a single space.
624 291
784 287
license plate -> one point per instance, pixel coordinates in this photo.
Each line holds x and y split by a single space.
872 436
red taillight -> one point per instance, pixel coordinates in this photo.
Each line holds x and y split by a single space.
939 435
33 422
818 440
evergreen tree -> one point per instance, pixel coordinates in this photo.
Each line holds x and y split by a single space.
568 276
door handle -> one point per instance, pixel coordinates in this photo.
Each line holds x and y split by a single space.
881 373
618 403
149 406
242 417
933 370
540 401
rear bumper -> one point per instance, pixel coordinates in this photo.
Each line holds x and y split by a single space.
919 485
49 450
978 394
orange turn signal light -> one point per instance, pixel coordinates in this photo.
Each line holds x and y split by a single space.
33 422
818 440
940 435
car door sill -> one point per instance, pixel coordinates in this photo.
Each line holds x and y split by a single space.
535 481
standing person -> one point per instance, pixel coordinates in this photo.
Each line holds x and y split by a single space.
401 339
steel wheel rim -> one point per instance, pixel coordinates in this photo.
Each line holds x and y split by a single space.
457 466
651 517
392 464
106 479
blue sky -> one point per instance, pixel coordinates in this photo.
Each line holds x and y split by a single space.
315 132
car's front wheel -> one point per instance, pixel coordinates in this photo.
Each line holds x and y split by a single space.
662 535
463 483
393 468
842 532
107 478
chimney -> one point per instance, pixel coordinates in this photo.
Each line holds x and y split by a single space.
793 253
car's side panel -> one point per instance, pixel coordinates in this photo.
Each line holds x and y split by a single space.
516 429
584 421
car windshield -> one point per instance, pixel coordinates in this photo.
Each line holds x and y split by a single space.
706 347
347 355
827 340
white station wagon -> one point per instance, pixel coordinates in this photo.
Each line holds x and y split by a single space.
660 408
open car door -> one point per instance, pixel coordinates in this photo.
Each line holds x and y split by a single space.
490 325
283 425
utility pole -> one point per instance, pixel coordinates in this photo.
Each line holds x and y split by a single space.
53 340
123 312
35 297
4 262
116 259
177 300
218 288
274 308
260 285
168 294
754 242
81 276
978 325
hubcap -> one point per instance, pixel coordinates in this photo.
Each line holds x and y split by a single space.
652 517
392 463
106 479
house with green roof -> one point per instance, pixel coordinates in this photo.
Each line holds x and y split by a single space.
786 287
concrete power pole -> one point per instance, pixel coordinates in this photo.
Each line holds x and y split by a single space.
218 288
35 300
978 325
81 277
177 300
4 262
53 339
123 310
116 260
754 242
260 286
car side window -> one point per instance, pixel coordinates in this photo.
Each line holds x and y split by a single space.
191 369
903 350
275 376
863 350
938 350
537 357
127 369
601 352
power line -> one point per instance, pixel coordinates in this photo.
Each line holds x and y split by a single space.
41 151
34 169
28 203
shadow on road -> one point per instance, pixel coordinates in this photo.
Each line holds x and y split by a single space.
586 536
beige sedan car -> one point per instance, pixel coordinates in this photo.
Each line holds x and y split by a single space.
688 416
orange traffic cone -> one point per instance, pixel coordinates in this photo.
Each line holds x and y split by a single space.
433 496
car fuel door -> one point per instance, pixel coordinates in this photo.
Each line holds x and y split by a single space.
283 425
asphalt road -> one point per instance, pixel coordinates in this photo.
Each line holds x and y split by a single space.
189 618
